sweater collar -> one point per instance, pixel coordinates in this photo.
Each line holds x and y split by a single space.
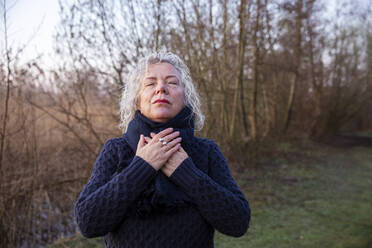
182 122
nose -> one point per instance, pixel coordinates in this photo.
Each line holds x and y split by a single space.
161 87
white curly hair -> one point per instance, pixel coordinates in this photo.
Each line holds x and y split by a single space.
130 91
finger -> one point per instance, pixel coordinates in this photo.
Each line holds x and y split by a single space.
163 133
141 141
171 136
147 139
181 150
152 134
173 149
171 144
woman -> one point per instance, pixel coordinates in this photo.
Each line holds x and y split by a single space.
159 185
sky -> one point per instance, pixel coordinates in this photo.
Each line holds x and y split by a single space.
32 22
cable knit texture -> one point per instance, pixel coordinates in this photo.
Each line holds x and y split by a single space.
107 204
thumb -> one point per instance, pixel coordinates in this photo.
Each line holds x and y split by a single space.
141 142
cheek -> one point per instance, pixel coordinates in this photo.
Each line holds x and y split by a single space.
181 98
141 101
144 97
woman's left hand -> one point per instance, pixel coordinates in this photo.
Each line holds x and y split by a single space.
174 161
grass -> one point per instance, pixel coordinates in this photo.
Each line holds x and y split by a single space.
365 133
312 196
78 241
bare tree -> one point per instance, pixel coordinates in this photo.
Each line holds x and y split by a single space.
297 60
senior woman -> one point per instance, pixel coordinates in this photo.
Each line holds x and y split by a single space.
159 185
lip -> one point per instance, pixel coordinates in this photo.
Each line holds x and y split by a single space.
162 101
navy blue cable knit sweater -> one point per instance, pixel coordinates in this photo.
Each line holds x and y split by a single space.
108 205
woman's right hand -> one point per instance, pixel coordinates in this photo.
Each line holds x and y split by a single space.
154 152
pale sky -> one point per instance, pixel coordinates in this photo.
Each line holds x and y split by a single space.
32 22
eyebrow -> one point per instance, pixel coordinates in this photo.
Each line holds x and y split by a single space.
168 76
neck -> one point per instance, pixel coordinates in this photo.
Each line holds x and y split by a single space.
159 120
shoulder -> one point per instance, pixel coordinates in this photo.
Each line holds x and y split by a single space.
206 144
117 146
115 142
214 152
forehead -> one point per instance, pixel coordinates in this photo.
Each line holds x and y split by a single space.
163 69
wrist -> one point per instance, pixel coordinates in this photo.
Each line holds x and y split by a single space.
154 165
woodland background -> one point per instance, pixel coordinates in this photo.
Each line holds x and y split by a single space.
266 70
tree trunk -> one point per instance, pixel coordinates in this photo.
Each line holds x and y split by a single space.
239 80
256 58
294 78
157 25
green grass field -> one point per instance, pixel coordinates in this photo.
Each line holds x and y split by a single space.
307 196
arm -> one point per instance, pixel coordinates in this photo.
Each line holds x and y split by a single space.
104 201
216 195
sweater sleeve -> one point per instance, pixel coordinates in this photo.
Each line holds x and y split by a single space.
103 202
216 195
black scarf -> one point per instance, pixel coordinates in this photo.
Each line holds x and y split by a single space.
161 195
